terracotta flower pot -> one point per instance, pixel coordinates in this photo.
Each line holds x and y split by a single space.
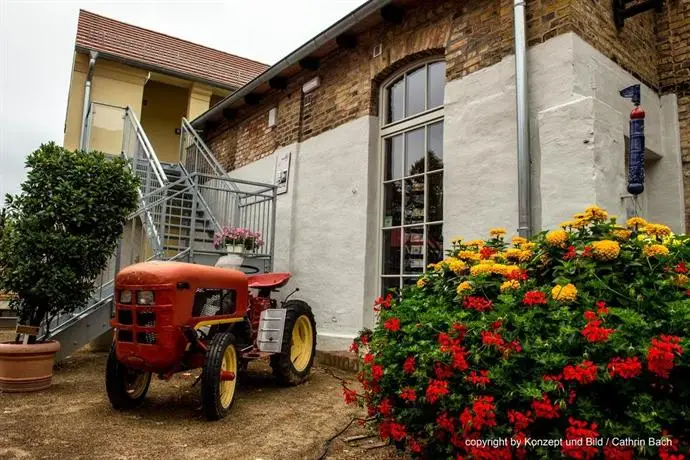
26 367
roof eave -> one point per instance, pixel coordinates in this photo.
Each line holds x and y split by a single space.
342 26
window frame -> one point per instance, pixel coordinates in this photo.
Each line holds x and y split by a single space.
389 130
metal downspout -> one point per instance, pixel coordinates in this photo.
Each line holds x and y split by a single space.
93 55
522 106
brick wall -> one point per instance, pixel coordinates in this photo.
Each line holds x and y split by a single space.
470 35
673 44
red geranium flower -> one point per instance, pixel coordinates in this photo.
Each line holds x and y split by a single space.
368 358
587 252
492 338
480 416
354 347
436 389
618 453
386 407
383 303
582 450
442 371
583 373
445 422
681 267
533 298
460 330
481 379
376 372
415 446
392 324
409 366
601 308
350 395
519 420
460 359
571 254
478 303
593 332
408 394
447 343
517 275
627 368
544 409
661 353
393 430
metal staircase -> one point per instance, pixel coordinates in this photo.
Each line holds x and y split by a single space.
181 207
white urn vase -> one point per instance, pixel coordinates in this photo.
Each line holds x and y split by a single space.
233 259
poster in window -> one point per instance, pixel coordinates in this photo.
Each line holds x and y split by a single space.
282 171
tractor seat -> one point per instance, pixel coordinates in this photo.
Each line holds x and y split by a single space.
268 280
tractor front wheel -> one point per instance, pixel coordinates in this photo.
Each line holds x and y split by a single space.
219 376
126 387
292 366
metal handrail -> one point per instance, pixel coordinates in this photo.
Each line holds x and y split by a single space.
187 127
148 150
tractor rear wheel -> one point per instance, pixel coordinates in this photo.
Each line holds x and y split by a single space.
219 376
126 387
292 366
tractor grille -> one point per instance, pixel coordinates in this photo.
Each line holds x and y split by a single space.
146 318
124 336
124 317
148 338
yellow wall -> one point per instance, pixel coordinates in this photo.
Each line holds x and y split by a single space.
113 83
161 116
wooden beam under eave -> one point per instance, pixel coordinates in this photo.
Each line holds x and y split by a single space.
309 63
278 82
252 99
392 14
346 41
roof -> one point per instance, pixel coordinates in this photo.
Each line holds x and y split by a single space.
364 17
163 53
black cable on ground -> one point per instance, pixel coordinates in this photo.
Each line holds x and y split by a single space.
324 449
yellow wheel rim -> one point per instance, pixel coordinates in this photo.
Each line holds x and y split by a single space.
227 387
302 343
136 383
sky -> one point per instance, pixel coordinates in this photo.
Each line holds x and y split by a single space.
37 44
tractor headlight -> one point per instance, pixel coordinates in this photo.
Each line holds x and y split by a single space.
125 296
144 297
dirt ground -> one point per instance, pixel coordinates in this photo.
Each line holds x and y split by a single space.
73 420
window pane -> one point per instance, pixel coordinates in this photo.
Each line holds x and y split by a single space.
396 93
436 84
435 146
434 243
409 280
391 251
389 283
414 200
393 149
434 210
392 203
414 97
413 261
414 152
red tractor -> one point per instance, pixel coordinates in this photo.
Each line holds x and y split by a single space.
172 317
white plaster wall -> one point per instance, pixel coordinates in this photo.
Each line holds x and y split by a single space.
322 225
578 124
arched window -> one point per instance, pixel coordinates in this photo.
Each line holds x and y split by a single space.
412 179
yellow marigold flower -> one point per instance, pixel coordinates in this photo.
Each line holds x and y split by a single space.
463 287
456 265
567 293
681 280
621 233
468 255
566 224
580 216
481 269
525 255
476 243
655 250
634 222
528 246
497 232
579 223
518 240
510 285
421 282
513 254
595 213
456 240
658 230
606 249
557 238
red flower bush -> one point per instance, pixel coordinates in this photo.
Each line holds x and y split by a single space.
578 335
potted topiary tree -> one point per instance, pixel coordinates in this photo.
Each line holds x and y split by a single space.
57 237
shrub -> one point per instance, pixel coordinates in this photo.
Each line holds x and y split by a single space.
579 334
60 231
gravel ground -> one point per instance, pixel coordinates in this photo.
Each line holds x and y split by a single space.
73 420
